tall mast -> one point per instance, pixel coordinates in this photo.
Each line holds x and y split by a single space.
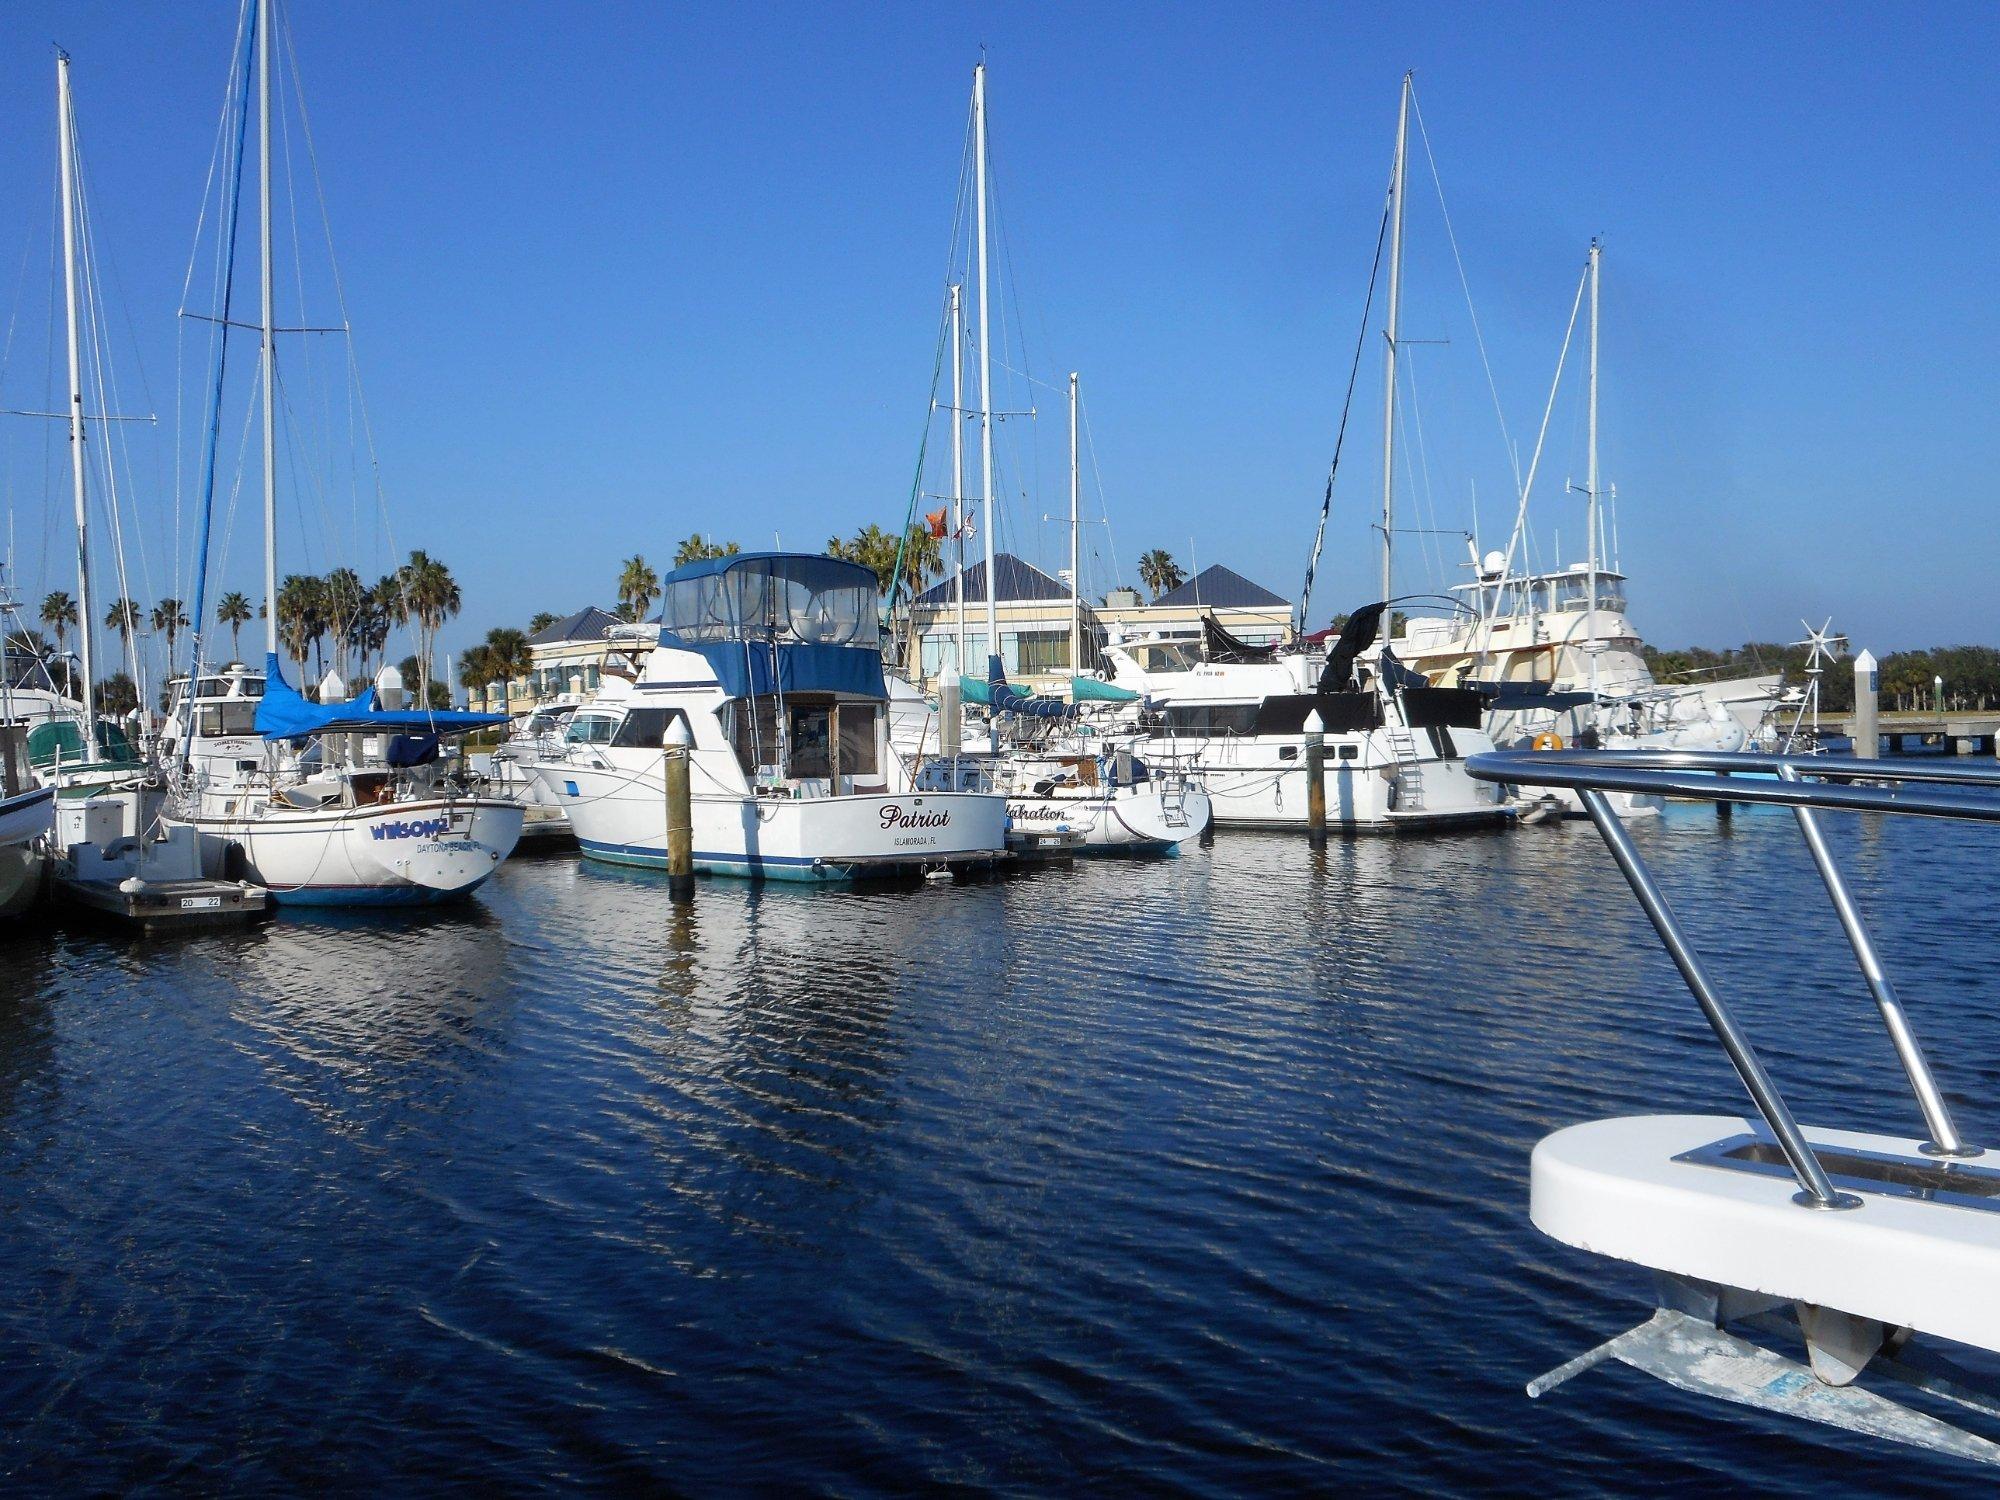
958 469
86 615
985 370
1391 331
1075 578
268 358
1593 646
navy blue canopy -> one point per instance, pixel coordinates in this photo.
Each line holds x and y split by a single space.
283 713
1008 699
777 622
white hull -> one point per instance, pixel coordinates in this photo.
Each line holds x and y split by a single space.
26 821
1252 784
620 815
394 854
1146 819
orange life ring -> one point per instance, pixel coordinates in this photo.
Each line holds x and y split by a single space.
1548 739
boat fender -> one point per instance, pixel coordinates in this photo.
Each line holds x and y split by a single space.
1548 739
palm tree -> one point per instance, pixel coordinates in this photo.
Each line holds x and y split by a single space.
475 669
127 619
542 621
301 614
59 614
344 598
233 610
116 696
699 548
507 657
170 620
638 586
1159 573
427 593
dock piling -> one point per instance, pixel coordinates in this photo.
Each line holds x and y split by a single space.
680 811
1867 731
1315 780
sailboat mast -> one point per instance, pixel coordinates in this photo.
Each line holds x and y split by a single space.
1391 331
1593 646
958 469
86 617
1075 578
985 367
268 355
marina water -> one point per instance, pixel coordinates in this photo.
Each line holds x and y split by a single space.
1196 1177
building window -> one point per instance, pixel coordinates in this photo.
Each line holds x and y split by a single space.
1038 652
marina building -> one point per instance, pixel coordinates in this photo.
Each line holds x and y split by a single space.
1034 618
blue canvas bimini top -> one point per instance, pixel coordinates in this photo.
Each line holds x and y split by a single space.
284 713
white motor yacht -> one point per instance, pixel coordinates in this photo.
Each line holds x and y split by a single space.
771 661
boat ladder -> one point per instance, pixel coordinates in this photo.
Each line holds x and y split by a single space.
1409 771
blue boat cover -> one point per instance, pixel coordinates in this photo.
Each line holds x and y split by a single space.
1011 700
283 713
755 669
1094 690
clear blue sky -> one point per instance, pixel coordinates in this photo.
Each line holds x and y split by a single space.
621 273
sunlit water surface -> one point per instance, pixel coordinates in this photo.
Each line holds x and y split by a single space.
1200 1176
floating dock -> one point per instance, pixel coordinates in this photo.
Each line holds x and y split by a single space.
165 905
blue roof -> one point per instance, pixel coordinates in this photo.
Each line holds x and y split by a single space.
1218 587
1018 580
587 624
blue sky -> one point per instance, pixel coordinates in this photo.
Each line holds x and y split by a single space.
619 274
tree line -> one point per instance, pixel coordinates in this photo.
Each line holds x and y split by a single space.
1905 680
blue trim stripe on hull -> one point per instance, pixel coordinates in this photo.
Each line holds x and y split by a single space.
743 866
370 895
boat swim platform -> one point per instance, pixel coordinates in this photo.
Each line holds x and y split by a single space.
165 905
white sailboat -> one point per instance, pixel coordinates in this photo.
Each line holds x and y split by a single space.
1558 652
27 808
1395 745
346 804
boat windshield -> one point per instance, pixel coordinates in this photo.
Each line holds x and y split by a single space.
787 600
1164 656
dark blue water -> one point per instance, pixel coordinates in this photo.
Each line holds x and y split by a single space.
1200 1177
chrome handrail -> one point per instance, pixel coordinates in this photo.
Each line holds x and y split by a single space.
1802 783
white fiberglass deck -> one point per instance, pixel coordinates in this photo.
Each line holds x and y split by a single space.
1615 1188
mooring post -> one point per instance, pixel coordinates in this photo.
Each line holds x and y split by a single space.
1867 727
680 811
1315 780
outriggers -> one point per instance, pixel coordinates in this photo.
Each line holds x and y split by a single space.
347 803
772 663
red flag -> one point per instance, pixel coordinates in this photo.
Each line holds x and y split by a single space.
936 525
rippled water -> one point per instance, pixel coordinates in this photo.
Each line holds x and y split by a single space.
1200 1176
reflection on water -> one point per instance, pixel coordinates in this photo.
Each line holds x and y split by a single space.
1204 1174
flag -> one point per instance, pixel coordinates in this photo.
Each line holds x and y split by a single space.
935 524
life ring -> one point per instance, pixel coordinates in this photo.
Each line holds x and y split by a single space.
1548 739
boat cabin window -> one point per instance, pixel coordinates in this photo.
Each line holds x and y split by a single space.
1163 656
1199 720
786 600
591 729
645 728
237 716
823 738
1571 591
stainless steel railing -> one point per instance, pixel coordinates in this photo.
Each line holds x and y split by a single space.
1804 784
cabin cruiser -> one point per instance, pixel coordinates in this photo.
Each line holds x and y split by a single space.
509 771
771 664
1395 745
336 803
1532 641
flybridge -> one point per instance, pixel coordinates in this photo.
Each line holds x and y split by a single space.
777 622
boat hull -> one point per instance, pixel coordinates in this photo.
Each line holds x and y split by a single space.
26 821
1250 790
1137 820
620 817
396 854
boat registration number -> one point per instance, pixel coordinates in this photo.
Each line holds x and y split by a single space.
200 903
